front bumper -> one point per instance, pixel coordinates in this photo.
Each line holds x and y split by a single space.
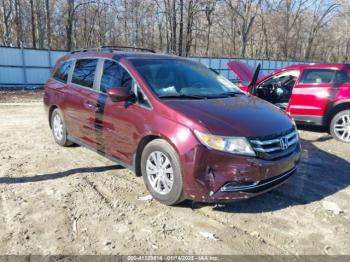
214 176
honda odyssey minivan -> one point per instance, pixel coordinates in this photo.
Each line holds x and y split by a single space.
188 131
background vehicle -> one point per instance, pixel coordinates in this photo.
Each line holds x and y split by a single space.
188 131
313 94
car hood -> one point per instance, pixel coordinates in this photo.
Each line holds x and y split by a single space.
242 115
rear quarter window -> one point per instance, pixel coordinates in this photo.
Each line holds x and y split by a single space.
342 77
62 72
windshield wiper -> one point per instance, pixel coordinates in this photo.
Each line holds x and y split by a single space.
183 96
231 93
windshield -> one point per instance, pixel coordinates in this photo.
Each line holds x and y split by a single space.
183 78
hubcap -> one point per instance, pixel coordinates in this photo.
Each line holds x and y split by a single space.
159 172
342 128
58 127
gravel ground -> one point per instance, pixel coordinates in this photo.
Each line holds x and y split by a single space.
56 200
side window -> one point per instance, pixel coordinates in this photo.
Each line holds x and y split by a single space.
342 77
318 76
84 72
114 75
61 74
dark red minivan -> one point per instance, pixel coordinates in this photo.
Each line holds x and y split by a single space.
187 130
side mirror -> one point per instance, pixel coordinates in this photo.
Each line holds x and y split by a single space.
118 94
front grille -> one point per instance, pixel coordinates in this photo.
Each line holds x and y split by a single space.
276 146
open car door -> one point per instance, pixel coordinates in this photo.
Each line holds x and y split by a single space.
246 74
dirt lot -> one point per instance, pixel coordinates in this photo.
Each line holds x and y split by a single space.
58 200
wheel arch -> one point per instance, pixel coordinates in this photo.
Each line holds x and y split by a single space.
142 144
335 109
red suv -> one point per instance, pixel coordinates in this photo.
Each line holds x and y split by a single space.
313 94
187 130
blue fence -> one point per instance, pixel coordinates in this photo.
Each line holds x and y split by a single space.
31 67
26 67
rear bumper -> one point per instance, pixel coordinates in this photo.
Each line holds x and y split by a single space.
223 177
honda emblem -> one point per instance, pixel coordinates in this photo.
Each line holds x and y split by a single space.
284 143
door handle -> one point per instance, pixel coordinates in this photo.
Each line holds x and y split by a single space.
90 105
95 107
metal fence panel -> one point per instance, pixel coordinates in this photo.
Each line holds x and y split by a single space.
37 76
30 67
11 75
36 58
26 67
55 55
10 56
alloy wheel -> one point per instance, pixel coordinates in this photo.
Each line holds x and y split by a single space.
58 127
160 172
342 128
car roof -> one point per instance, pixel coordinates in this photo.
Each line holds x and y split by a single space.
301 67
118 55
316 65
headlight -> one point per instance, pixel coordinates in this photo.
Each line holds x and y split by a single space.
235 145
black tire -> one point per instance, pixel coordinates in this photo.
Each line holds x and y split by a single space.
175 195
334 121
63 140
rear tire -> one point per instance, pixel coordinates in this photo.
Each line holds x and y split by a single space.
340 126
58 128
161 172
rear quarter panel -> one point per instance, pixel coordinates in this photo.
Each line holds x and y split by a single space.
343 94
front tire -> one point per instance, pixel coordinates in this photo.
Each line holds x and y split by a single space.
58 128
340 126
161 172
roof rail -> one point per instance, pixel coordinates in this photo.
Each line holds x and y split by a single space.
111 48
120 48
85 50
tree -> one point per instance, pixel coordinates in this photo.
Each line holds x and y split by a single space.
276 29
245 12
181 30
7 12
323 13
48 23
33 23
209 11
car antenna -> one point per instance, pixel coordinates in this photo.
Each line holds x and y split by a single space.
252 84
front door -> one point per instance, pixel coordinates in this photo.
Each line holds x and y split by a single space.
277 89
115 126
312 94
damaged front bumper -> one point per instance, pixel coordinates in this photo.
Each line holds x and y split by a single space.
216 176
